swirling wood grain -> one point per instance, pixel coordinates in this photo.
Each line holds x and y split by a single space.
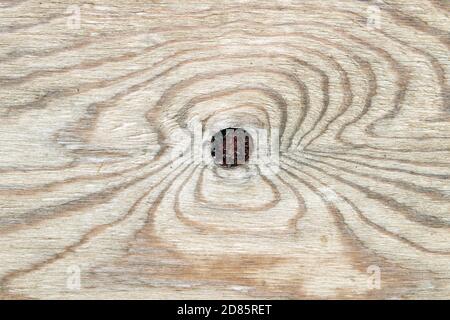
88 124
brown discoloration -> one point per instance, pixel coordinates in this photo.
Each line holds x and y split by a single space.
89 175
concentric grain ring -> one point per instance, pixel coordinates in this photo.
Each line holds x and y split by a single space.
99 149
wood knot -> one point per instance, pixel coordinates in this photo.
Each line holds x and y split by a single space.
231 147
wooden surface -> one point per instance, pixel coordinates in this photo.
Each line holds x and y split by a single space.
89 116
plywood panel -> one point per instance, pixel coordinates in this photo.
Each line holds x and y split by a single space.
107 110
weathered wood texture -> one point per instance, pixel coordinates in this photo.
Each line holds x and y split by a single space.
89 115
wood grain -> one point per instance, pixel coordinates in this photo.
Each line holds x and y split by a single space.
89 116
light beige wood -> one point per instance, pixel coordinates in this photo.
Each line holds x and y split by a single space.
92 111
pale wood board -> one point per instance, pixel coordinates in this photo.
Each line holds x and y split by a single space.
89 118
